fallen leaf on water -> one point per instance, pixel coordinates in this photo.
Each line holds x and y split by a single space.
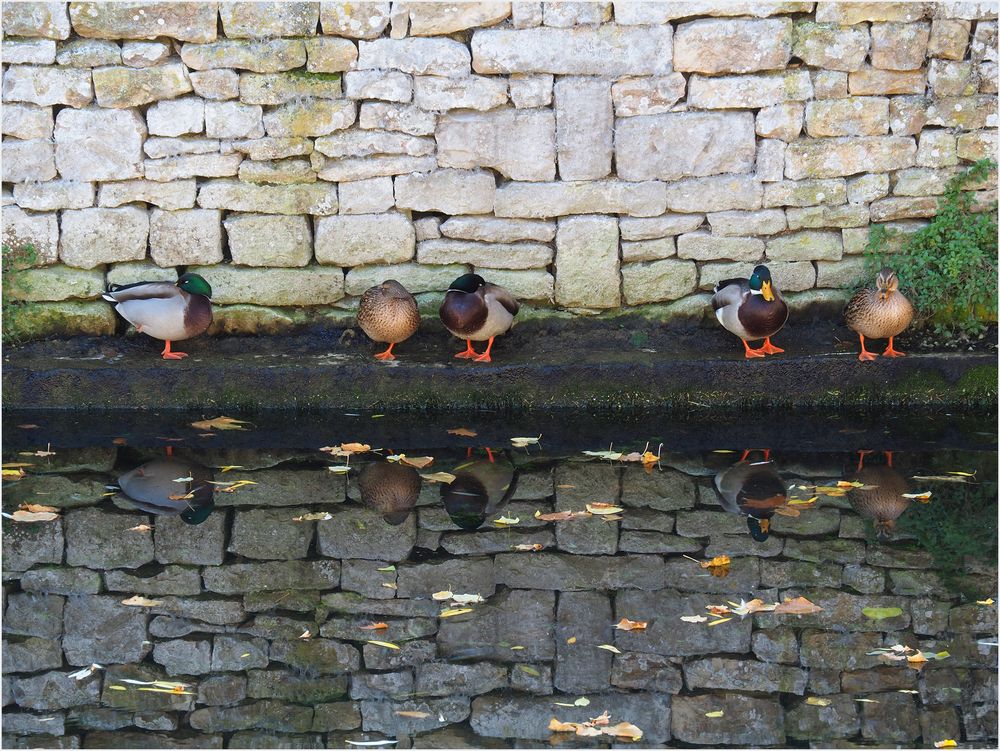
907 691
571 640
522 442
583 701
355 448
846 484
46 452
467 432
516 648
386 644
315 516
220 423
716 713
389 585
166 690
444 594
877 614
610 454
962 474
529 670
562 727
785 511
561 516
942 478
604 508
230 467
610 648
755 605
245 654
718 610
721 620
947 743
524 547
507 521
307 634
602 719
32 516
9 465
86 672
624 730
693 618
117 688
386 742
340 469
184 497
13 474
37 508
818 702
918 496
142 602
412 713
374 626
467 599
797 606
140 528
386 568
29 426
868 701
454 612
417 462
626 625
445 477
985 602
183 479
802 501
719 560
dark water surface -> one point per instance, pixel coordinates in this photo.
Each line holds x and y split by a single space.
263 573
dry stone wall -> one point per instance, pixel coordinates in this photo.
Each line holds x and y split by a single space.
589 156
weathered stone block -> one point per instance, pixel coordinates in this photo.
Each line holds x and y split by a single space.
434 57
346 170
274 286
805 193
408 119
145 54
655 281
648 250
888 209
41 231
416 278
192 165
899 46
849 13
870 80
584 127
978 145
587 263
186 22
752 91
530 90
598 197
867 188
965 113
567 14
191 236
177 194
47 20
364 20
744 675
792 276
279 88
747 223
89 53
233 120
317 199
473 92
949 38
159 148
28 161
827 216
269 56
782 121
721 193
364 239
834 157
274 148
371 196
449 191
829 84
309 118
270 534
91 237
27 121
216 85
57 283
96 144
31 52
258 20
182 657
854 116
387 85
732 46
123 87
705 247
503 256
951 78
830 46
746 720
648 95
47 86
176 117
606 50
100 629
520 144
278 172
806 246
490 229
268 240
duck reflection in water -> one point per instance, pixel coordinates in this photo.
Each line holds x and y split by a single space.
754 489
391 489
881 497
480 488
151 487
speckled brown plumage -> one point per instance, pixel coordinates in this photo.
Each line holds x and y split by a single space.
390 489
388 313
883 500
879 313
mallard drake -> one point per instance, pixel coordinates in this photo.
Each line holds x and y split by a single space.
391 489
475 310
880 313
388 313
153 487
480 488
752 488
881 496
163 310
752 309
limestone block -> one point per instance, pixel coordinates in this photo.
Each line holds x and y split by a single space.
867 188
808 245
870 80
682 144
192 165
526 15
91 237
805 193
850 13
186 22
770 166
177 194
267 56
971 11
41 231
158 148
732 46
258 20
406 118
535 285
494 255
722 193
899 46
497 230
566 14
26 121
843 273
829 84
268 240
145 54
587 265
949 38
830 46
817 217
854 116
920 181
98 144
432 19
28 161
188 236
364 20
122 87
318 199
964 113
544 200
648 250
978 145
606 50
371 196
233 120
327 55
387 85
54 283
274 148
645 13
473 92
520 144
176 117
44 86
752 91
937 148
278 88
47 20
427 228
666 225
952 78
530 90
89 53
139 271
277 172
316 117
782 121
432 57
29 51
701 246
449 191
584 128
345 170
746 223
656 281
892 208
907 114
361 239
415 277
54 195
648 95
217 85
834 157
234 285
367 142
789 276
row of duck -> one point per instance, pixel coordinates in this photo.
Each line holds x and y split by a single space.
477 311
751 488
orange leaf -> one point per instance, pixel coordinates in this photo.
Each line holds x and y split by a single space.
375 626
561 516
411 713
562 727
417 461
602 719
37 508
626 625
463 432
624 730
798 606
719 560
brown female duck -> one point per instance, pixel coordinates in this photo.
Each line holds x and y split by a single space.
880 313
388 313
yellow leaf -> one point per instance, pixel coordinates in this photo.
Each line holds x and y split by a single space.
786 511
985 602
466 432
444 594
454 612
521 442
313 517
220 423
571 640
721 620
141 602
307 634
12 474
386 644
626 625
716 713
719 560
947 743
507 521
604 508
230 467
962 474
846 484
818 702
609 648
245 654
389 585
117 688
801 501
355 448
918 496
412 713
445 477
516 648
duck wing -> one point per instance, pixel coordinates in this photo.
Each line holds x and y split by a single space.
729 292
141 291
503 297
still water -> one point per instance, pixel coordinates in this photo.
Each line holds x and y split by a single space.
276 603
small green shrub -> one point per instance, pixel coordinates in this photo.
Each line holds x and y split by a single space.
14 263
948 269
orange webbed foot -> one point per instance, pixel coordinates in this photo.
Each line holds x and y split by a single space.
467 354
485 357
385 356
174 355
866 355
770 349
754 353
891 351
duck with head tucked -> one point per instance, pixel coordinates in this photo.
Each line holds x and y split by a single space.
388 313
477 311
165 310
752 309
880 313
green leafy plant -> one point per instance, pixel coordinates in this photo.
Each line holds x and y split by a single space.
14 262
947 269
